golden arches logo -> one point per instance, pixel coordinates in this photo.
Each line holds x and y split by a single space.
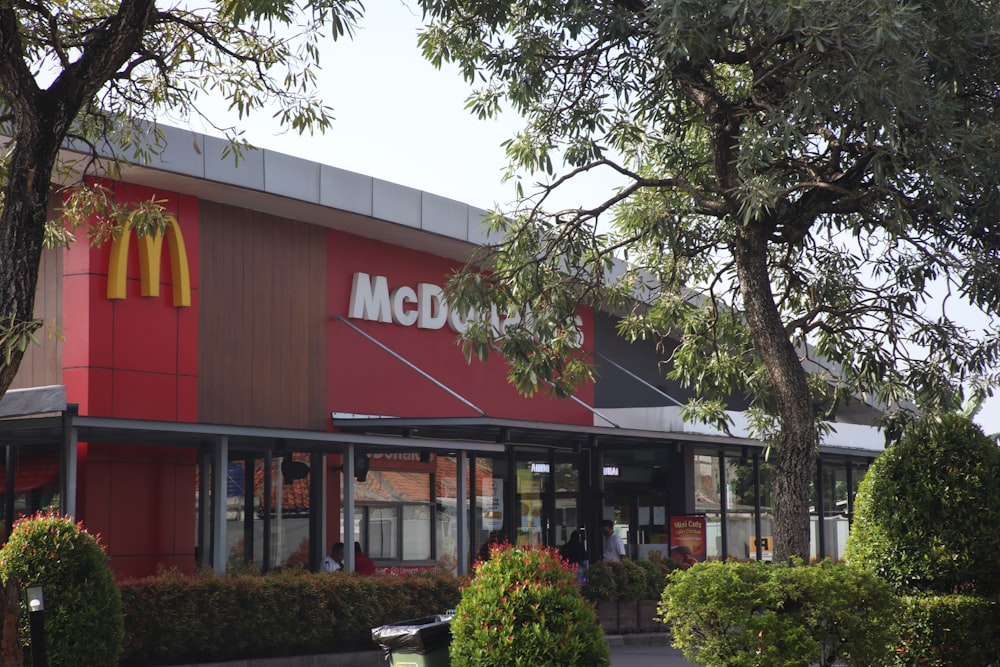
150 250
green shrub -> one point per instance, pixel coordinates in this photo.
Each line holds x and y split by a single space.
600 581
946 630
523 607
172 619
83 612
627 580
926 512
755 613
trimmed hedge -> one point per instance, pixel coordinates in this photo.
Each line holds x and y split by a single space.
947 630
736 614
172 619
628 579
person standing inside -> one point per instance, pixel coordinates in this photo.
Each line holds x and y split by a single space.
614 549
335 561
362 563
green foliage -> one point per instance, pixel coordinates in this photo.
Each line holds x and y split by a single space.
948 630
627 579
523 607
726 614
172 619
796 180
825 133
101 74
83 611
925 512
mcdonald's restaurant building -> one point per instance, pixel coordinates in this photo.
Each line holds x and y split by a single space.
279 371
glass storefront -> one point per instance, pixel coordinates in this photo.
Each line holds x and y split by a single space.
267 531
405 507
36 484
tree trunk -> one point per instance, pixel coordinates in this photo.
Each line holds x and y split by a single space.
795 454
39 120
22 230
12 655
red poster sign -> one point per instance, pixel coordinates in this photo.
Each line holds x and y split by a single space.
687 537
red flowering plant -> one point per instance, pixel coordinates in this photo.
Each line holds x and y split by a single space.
523 607
83 610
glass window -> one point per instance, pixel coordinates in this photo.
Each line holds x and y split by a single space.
417 532
396 516
708 501
835 522
741 533
766 511
382 532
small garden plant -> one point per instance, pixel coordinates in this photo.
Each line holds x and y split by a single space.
523 607
83 610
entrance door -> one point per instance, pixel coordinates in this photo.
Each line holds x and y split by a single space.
533 513
547 497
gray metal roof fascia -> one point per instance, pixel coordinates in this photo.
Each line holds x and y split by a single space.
288 435
198 156
33 401
517 424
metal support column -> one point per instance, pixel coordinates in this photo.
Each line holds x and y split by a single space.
204 507
723 503
68 465
462 514
348 519
9 495
820 511
317 510
266 561
756 505
220 463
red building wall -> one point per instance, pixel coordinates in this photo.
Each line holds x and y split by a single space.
365 379
137 358
134 358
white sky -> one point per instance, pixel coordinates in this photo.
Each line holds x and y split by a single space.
401 120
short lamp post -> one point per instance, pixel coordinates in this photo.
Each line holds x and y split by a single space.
36 622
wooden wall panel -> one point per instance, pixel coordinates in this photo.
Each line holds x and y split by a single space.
262 320
42 364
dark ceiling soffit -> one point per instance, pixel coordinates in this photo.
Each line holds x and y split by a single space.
518 432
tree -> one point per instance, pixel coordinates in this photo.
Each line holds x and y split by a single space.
99 73
807 190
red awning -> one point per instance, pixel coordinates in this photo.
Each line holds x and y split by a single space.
31 472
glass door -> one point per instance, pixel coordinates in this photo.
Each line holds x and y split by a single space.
533 476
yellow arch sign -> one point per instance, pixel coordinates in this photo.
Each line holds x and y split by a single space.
150 250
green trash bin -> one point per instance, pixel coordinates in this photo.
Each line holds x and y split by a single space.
419 642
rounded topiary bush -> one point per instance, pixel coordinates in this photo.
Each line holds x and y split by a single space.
926 512
523 607
83 611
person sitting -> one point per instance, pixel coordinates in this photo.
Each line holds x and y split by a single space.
362 563
573 551
495 538
335 561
